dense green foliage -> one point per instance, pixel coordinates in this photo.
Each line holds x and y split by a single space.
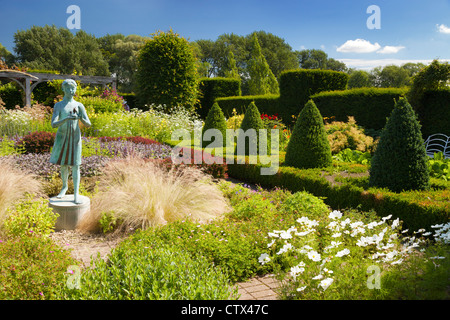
262 80
434 117
139 270
11 95
166 73
297 86
252 120
58 49
400 161
308 146
369 106
215 120
212 88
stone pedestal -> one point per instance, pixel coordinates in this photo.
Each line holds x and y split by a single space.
69 212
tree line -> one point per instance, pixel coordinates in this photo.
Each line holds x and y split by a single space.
255 58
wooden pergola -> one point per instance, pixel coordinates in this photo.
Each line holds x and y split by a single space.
29 81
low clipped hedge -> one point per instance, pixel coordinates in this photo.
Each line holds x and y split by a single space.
416 209
267 104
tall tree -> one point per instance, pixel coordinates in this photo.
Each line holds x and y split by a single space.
58 49
166 73
6 56
358 79
318 59
262 80
232 71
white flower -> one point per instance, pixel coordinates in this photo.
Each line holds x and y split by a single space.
386 218
273 235
326 283
437 257
335 214
343 253
285 248
296 270
318 277
397 262
336 235
264 258
395 223
327 271
314 255
372 225
301 288
270 244
285 235
304 233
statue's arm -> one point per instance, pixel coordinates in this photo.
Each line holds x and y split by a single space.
83 116
56 122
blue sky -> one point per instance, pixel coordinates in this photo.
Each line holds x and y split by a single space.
415 30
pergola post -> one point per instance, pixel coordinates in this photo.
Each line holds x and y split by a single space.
27 92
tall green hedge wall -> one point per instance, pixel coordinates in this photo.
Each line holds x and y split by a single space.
369 106
297 86
212 88
434 116
267 104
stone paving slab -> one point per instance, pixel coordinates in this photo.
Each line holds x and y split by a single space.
259 288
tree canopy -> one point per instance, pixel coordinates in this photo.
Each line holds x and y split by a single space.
53 48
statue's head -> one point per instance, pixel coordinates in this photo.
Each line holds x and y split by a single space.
69 86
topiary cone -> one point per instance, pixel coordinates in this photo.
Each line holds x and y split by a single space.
308 146
252 120
400 160
215 120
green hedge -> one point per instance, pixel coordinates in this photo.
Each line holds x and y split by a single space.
435 114
212 88
416 209
297 86
369 106
267 104
11 95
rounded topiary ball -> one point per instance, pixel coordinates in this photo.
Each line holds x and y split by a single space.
308 146
400 161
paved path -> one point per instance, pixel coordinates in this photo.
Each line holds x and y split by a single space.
259 288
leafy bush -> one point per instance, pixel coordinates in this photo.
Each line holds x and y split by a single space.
353 156
400 160
137 271
343 135
11 95
439 167
434 116
30 217
32 268
215 120
212 88
308 146
37 142
297 87
100 104
166 73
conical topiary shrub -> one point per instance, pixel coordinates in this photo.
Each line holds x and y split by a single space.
400 161
252 120
215 120
308 146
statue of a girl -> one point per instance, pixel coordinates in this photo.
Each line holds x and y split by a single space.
67 147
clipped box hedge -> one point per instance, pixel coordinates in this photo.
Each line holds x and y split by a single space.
212 88
267 104
369 106
435 113
416 209
297 86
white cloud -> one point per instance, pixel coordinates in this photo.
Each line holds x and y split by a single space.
390 49
443 29
358 46
368 64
